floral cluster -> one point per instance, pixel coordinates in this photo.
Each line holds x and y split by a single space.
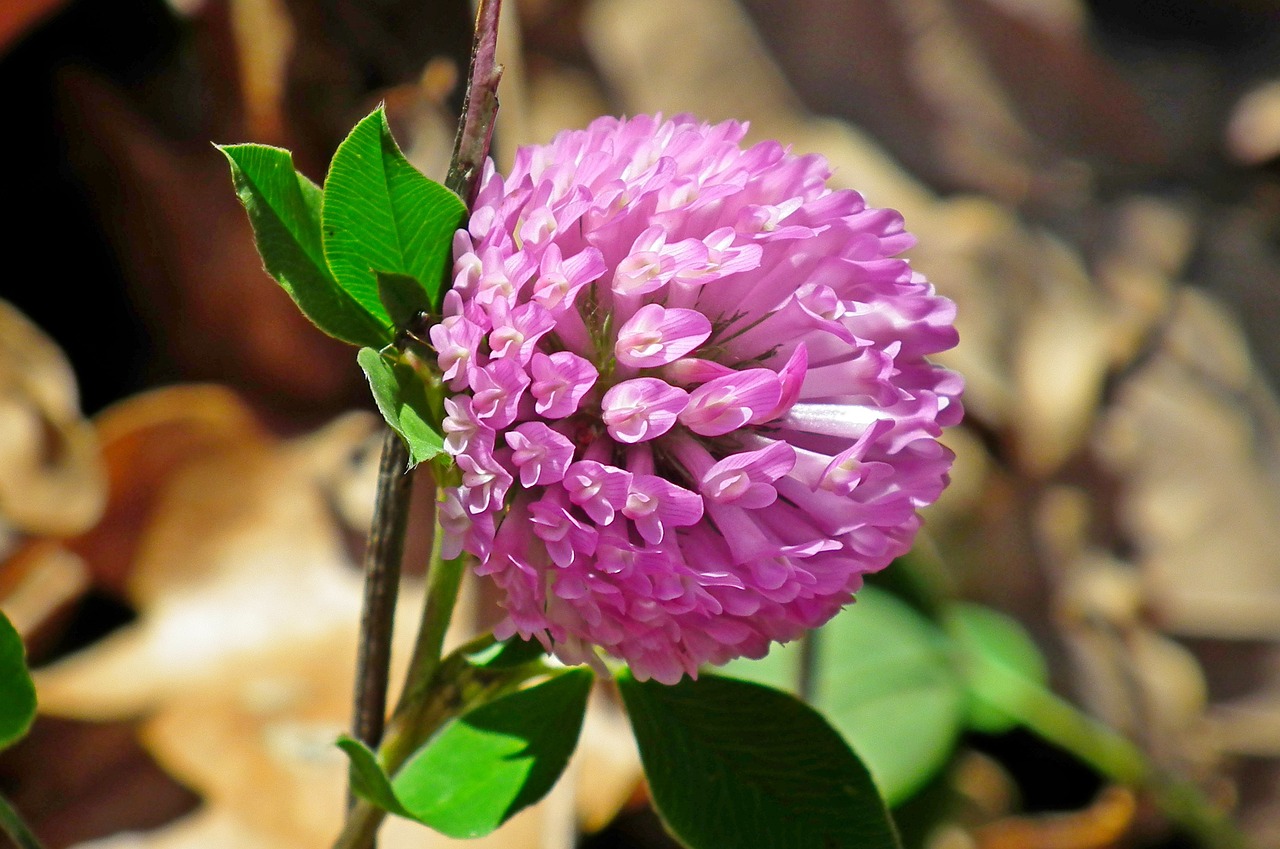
706 371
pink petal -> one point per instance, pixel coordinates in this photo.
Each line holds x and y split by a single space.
727 403
655 336
641 409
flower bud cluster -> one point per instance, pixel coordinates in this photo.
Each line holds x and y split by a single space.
692 406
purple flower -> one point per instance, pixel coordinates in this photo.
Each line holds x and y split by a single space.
706 371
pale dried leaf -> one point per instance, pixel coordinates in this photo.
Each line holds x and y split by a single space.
38 580
1194 438
51 479
1060 360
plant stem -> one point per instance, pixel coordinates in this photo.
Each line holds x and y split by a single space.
479 108
444 577
807 669
381 586
386 539
13 825
443 580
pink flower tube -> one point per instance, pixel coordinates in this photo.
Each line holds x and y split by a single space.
693 402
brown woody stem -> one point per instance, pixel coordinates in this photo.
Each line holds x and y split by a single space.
381 586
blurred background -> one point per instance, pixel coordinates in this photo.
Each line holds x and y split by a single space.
186 466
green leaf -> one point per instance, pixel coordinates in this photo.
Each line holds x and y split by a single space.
889 684
368 781
886 679
508 654
284 210
735 765
17 693
402 401
1003 667
381 213
496 760
402 296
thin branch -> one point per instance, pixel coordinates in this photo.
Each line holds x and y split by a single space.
471 145
381 586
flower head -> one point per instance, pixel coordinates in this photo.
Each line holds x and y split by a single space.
707 372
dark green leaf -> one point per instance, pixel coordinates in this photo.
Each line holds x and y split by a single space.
368 781
402 296
17 693
492 762
381 213
735 765
886 678
284 209
403 403
1002 666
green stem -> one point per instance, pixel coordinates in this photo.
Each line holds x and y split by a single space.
14 826
1116 757
444 577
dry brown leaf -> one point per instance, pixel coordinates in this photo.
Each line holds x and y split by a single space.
37 581
1105 823
51 481
1253 132
195 277
144 441
264 36
1191 434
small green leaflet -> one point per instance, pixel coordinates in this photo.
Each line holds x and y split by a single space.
486 766
737 765
402 401
284 210
368 781
382 214
17 693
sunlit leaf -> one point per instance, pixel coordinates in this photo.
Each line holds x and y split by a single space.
284 209
380 212
486 766
368 781
496 760
736 765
